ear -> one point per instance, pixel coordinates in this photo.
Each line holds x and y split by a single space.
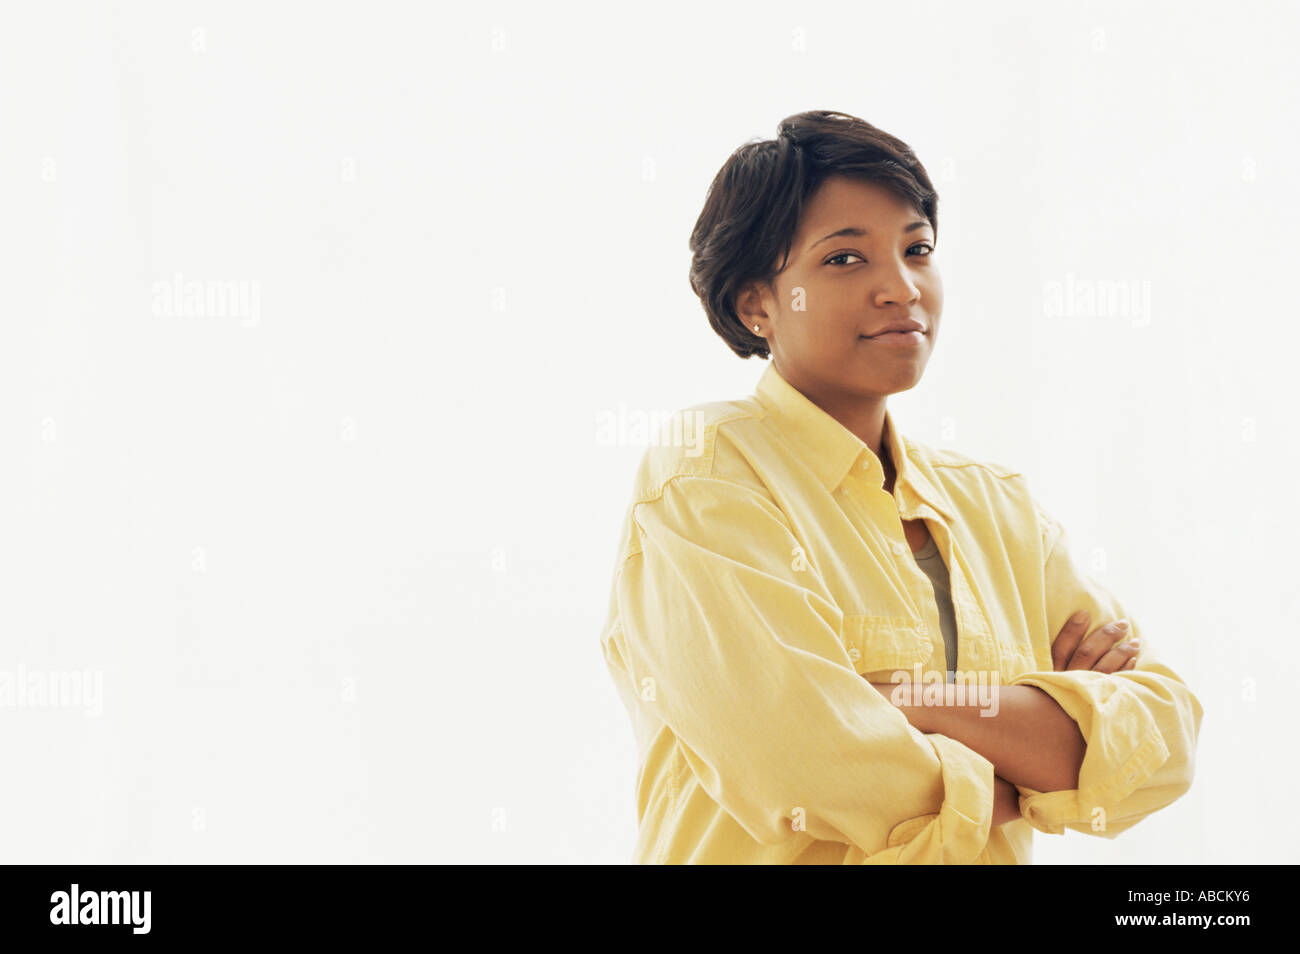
750 304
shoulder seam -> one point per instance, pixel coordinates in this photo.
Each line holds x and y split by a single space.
713 477
990 468
635 548
997 470
707 455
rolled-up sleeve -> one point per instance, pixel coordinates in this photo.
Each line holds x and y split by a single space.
733 640
1140 725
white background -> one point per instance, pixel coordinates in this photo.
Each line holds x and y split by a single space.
341 554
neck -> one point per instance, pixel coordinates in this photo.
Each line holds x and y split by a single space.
862 416
886 456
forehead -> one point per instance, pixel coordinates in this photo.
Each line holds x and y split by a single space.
842 201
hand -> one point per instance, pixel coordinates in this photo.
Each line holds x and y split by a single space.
1097 651
1006 801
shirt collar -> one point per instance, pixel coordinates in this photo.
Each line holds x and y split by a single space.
831 450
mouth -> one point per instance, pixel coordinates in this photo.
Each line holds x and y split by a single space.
896 338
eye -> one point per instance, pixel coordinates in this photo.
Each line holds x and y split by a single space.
929 250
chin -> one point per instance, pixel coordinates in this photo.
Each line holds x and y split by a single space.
893 383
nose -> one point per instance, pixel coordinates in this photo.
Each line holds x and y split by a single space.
897 288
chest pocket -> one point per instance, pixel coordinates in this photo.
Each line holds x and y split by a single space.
885 642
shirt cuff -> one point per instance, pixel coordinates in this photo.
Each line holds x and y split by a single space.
1124 749
959 831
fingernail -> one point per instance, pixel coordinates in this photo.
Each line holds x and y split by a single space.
1130 643
1120 626
1079 618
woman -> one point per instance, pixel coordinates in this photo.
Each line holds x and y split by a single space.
785 580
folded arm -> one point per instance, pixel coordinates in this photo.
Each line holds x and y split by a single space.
739 645
1028 737
1095 749
1140 724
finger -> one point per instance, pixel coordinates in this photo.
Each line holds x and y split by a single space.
1131 664
1097 643
1067 640
1120 655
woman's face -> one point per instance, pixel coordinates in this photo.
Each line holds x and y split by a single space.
837 289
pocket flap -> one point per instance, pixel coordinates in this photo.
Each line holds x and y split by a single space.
885 642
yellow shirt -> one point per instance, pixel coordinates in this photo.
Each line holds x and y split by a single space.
763 572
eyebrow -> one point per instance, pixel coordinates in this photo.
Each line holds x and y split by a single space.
857 232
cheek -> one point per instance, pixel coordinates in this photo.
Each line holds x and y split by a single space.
932 288
839 306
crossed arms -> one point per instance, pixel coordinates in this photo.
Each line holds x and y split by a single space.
1030 739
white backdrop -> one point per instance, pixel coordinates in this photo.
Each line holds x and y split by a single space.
312 314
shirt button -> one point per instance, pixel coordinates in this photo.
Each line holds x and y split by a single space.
923 629
865 465
898 548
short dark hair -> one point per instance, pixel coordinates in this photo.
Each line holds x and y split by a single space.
753 206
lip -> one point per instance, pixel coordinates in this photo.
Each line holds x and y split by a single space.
896 339
899 324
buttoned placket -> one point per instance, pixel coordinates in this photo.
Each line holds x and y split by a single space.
918 585
975 647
